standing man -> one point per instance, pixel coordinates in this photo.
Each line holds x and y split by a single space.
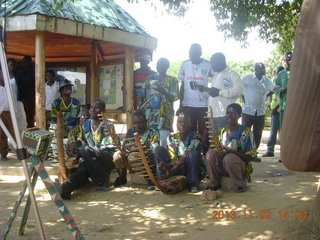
68 105
275 122
29 90
194 74
159 93
52 90
140 76
256 88
226 87
282 82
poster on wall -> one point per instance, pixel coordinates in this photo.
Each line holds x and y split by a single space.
111 82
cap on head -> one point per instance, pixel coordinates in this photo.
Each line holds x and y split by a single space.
145 57
65 82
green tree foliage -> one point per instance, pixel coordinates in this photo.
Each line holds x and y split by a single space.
276 60
275 20
174 69
243 68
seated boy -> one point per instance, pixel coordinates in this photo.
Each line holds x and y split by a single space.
95 148
182 156
234 158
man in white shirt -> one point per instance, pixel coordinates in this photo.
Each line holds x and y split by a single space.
256 88
52 92
193 102
226 87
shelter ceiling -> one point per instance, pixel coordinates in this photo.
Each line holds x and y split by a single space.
63 48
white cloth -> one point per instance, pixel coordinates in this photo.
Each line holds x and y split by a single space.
199 74
4 105
20 113
255 92
231 87
163 135
52 92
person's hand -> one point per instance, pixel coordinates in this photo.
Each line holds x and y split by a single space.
274 111
202 88
159 88
283 90
214 92
76 161
179 111
226 149
70 147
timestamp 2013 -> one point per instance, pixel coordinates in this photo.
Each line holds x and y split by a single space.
263 214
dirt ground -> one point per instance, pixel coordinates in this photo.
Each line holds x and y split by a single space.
132 212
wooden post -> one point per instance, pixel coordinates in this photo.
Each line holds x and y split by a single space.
40 63
129 84
94 84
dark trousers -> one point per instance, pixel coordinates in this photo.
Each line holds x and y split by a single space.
257 122
198 123
275 126
190 168
97 164
29 107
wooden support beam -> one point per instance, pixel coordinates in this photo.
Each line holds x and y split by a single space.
40 80
94 83
129 84
100 52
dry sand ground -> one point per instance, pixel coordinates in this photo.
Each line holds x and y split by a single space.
131 212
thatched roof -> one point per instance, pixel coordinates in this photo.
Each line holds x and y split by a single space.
104 13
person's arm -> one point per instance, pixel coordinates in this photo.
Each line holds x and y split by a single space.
275 110
163 91
181 94
243 156
237 86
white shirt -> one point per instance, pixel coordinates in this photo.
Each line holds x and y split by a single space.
20 112
231 87
199 73
4 105
255 92
51 94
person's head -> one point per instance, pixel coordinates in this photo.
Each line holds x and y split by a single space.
195 53
183 123
139 122
162 65
279 69
287 59
50 75
11 64
218 62
85 114
97 107
259 69
27 61
65 88
233 113
144 60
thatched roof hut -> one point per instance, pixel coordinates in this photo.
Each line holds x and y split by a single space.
87 34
